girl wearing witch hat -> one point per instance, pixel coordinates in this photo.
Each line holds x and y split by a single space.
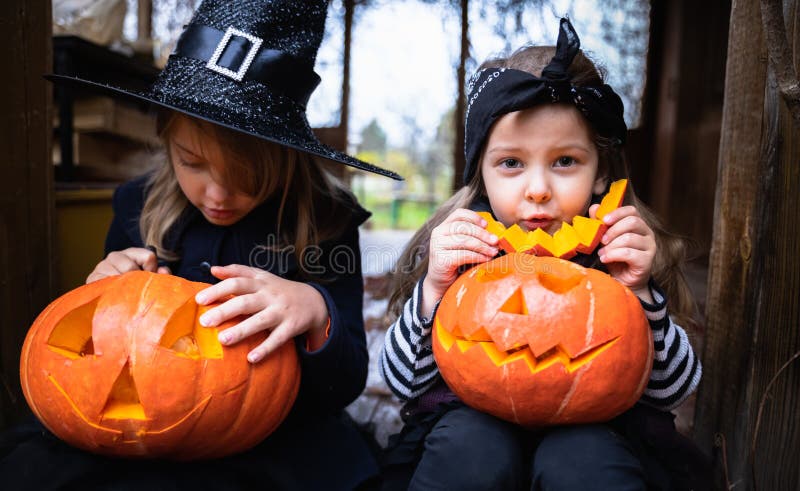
242 201
544 139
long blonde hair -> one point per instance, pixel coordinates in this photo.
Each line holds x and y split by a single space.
671 249
311 198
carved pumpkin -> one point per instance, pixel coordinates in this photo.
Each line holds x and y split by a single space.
122 366
542 341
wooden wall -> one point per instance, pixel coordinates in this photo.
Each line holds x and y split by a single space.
26 189
748 401
673 154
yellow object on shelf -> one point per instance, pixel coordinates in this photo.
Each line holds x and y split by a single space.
82 220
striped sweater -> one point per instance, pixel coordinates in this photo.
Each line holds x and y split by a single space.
409 369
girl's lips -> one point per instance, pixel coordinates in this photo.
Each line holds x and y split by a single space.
218 213
534 223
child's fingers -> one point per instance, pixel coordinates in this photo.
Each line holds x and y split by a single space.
144 259
233 270
164 270
469 243
634 259
102 270
238 305
274 340
630 240
119 262
618 214
465 215
593 211
630 224
462 228
231 286
461 257
260 321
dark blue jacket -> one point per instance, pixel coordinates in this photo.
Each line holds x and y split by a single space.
315 447
333 376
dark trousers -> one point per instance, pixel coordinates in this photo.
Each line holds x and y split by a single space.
324 452
469 450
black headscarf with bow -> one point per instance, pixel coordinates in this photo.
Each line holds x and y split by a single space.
494 92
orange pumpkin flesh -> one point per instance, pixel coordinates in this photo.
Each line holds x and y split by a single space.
541 341
582 236
122 366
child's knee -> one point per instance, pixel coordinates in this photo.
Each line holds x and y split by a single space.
470 450
467 449
576 455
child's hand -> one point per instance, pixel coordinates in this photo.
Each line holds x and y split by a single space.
131 259
460 239
629 249
283 307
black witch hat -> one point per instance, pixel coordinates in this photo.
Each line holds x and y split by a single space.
247 65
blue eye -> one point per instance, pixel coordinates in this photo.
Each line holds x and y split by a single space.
511 163
565 162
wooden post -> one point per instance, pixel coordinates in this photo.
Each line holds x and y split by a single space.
747 403
458 115
344 117
26 194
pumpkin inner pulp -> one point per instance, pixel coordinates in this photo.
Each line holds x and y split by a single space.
187 337
72 336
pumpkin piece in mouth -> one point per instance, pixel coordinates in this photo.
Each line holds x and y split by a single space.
582 236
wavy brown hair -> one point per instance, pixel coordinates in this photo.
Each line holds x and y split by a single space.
313 202
671 249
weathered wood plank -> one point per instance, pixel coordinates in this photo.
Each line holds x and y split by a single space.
26 202
777 303
753 310
723 397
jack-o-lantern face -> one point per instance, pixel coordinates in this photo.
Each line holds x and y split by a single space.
122 366
541 341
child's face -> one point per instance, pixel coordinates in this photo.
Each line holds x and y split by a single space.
540 167
197 159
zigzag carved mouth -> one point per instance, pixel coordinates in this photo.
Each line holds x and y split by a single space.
556 354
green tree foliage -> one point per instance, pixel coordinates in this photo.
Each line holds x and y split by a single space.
373 138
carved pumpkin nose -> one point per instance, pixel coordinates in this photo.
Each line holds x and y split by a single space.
515 304
123 400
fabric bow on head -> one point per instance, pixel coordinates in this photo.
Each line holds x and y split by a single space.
494 92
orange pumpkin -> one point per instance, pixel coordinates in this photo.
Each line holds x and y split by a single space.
542 341
122 366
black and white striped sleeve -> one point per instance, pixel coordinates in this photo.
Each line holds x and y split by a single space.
676 368
406 361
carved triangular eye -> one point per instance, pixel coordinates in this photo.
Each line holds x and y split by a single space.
515 304
185 336
559 283
72 336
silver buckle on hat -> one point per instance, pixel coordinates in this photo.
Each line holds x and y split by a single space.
223 43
